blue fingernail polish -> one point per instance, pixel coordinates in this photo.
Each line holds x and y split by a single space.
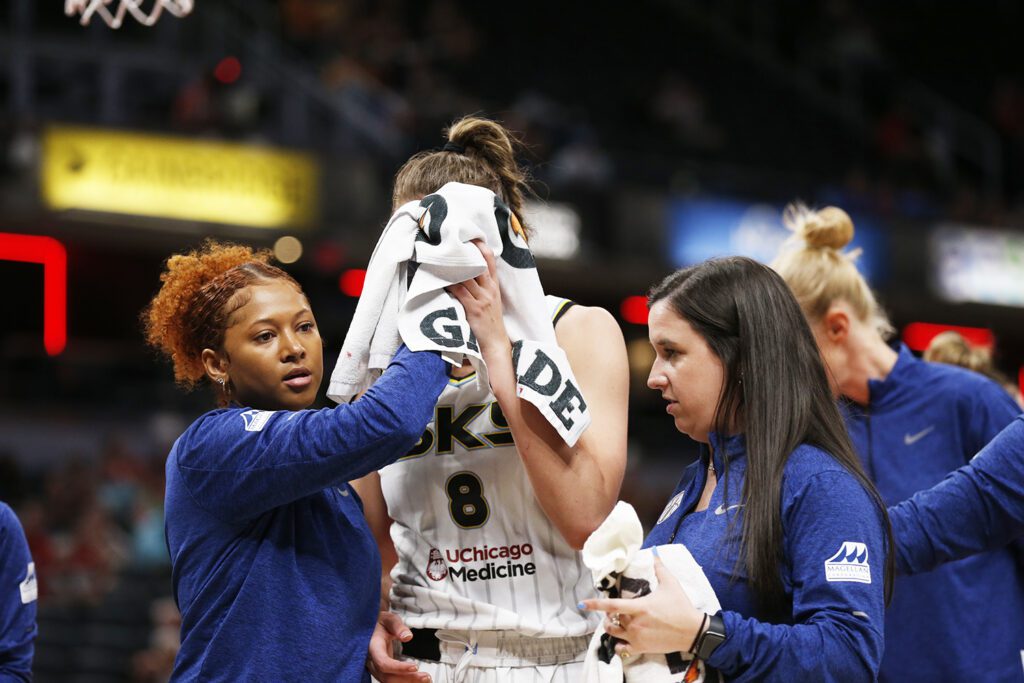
581 606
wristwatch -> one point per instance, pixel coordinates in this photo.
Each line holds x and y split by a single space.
711 638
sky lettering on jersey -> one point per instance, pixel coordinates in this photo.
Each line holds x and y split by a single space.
448 429
451 427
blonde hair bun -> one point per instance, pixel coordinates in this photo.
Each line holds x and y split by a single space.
827 228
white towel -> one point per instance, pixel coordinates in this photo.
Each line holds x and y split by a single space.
372 337
621 570
425 248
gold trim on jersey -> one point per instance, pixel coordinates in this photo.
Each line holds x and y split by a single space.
463 499
422 447
459 381
455 427
502 437
561 307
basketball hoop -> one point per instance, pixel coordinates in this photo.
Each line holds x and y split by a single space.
87 8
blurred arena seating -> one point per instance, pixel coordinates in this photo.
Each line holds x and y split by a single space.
627 115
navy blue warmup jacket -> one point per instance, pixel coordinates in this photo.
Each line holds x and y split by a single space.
976 508
18 591
834 553
274 568
923 421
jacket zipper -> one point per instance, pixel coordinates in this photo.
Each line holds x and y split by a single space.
871 445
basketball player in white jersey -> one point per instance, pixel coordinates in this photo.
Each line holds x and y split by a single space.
490 509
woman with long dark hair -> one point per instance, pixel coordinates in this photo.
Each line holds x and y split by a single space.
777 511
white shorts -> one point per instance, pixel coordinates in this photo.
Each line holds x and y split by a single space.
500 656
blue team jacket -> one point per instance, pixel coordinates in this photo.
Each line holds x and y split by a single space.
18 591
923 421
832 570
274 568
976 508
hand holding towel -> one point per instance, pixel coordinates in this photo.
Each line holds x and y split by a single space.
427 246
622 570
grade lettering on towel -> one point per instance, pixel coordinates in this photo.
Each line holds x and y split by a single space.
544 377
447 335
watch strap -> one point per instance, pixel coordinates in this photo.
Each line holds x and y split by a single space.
711 638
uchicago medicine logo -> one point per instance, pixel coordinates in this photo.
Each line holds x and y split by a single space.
487 563
437 570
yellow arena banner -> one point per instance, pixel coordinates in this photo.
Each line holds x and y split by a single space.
167 177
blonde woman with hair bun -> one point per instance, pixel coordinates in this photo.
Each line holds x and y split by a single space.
912 423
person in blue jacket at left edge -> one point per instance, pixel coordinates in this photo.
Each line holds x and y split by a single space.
18 594
274 568
777 511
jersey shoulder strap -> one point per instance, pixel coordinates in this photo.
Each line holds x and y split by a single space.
557 307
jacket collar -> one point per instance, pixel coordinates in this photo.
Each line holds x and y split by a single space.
881 391
735 445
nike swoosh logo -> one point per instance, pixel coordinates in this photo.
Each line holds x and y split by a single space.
911 439
722 510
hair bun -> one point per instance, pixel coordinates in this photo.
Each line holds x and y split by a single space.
483 136
829 227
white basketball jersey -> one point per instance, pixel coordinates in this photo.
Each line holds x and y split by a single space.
475 549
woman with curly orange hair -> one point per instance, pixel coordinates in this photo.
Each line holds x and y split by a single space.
271 555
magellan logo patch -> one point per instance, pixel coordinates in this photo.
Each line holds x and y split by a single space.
256 419
850 563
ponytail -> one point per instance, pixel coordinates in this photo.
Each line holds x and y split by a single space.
479 152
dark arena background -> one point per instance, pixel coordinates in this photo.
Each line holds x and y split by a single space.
658 133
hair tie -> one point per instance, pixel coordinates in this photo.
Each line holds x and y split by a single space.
453 147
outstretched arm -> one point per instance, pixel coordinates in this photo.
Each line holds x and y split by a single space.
976 508
576 486
239 464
